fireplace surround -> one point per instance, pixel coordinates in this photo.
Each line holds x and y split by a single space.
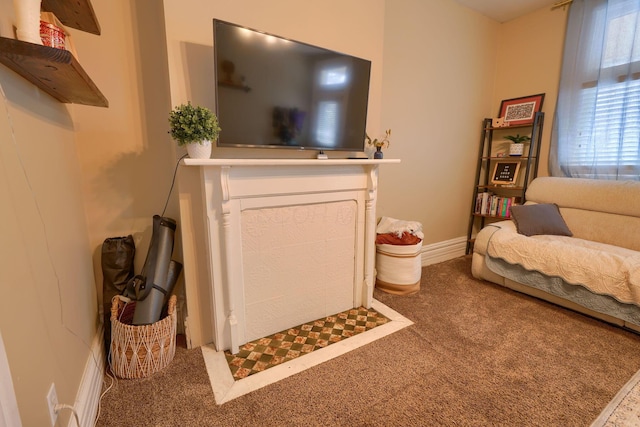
271 243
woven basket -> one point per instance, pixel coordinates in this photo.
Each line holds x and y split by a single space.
398 268
139 351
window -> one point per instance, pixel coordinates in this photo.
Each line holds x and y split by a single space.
333 77
597 126
328 122
329 100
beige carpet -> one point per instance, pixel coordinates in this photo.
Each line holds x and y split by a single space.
477 354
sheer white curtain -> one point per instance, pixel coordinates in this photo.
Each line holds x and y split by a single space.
596 131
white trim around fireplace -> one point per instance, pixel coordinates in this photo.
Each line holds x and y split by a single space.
213 195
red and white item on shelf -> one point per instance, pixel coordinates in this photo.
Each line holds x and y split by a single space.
52 35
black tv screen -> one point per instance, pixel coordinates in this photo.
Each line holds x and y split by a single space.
277 93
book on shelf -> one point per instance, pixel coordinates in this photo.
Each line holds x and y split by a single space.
491 204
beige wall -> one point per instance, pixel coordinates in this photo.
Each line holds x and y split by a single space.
47 307
125 152
445 69
355 27
70 162
529 61
438 69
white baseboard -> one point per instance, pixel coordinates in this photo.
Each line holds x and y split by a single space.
90 388
443 251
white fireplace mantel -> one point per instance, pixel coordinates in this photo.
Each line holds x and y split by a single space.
269 242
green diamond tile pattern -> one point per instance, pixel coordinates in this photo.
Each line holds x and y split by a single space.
264 353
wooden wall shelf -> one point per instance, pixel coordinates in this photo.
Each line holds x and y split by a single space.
77 14
55 71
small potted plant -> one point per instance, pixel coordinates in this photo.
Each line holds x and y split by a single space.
517 144
379 143
194 127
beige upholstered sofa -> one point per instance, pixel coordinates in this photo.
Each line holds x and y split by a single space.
595 271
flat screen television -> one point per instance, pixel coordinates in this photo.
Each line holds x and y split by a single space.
273 92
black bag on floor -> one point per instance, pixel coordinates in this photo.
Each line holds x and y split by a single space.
117 269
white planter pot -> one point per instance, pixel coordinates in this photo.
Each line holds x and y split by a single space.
199 150
516 149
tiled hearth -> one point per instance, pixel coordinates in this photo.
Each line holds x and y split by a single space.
281 347
306 346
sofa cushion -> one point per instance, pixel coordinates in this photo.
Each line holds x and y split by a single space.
616 197
537 219
601 268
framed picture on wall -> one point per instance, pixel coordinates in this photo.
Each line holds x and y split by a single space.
520 111
505 173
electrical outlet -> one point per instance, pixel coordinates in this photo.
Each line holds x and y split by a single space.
52 401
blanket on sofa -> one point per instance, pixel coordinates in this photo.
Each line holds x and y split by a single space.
603 269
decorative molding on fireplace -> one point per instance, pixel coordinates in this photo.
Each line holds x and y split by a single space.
214 193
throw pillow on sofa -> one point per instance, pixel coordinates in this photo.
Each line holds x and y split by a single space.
541 218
